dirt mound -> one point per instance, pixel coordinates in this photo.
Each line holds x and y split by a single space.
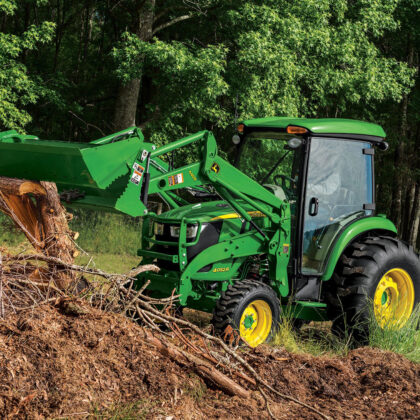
53 364
368 383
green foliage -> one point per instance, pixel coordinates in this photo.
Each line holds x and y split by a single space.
208 64
8 6
188 87
17 87
313 57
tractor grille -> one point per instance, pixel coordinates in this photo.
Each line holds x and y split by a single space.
166 249
209 236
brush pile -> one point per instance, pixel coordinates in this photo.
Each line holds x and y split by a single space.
71 353
75 340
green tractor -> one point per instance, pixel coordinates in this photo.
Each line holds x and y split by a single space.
291 225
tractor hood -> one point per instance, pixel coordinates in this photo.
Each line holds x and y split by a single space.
208 212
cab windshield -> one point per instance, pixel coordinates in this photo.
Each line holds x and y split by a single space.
267 158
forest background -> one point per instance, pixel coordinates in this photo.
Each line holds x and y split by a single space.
79 70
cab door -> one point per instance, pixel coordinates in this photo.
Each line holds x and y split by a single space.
339 190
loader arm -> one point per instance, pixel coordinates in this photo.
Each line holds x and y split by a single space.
118 172
229 182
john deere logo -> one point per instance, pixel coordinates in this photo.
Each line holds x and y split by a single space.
215 168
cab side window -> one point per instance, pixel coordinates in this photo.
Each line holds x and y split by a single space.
339 184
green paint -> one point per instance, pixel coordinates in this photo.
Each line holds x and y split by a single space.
320 125
350 232
103 171
249 321
309 311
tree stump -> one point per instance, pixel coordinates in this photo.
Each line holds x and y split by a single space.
36 210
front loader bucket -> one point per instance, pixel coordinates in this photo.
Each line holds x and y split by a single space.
94 175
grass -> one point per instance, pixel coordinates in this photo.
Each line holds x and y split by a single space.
10 237
314 338
110 240
317 339
405 341
107 233
138 410
110 263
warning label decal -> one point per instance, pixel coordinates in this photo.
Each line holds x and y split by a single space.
137 174
176 179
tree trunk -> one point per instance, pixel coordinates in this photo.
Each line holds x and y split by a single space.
36 210
201 366
58 237
415 219
408 209
397 193
126 105
128 93
400 157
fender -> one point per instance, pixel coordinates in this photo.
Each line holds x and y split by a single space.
349 233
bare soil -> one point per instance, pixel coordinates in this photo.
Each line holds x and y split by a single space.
56 365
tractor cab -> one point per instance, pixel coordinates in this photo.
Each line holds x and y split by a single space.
323 168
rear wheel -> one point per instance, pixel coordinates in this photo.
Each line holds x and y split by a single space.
249 309
376 276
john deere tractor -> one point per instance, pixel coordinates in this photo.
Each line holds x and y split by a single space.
291 225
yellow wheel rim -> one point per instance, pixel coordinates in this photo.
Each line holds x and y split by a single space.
394 299
255 324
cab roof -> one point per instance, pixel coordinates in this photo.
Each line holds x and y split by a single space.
320 125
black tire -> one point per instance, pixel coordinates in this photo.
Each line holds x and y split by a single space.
356 278
233 302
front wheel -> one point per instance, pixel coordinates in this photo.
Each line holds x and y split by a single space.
376 277
248 308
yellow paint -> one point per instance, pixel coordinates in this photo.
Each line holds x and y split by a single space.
236 215
393 301
221 269
259 312
193 176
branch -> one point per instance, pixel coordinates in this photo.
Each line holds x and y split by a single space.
79 268
202 367
232 353
167 10
86 123
171 22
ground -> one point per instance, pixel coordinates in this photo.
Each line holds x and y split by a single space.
98 365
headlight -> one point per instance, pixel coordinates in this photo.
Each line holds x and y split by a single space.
158 228
191 231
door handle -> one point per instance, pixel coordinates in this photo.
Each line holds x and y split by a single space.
313 206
